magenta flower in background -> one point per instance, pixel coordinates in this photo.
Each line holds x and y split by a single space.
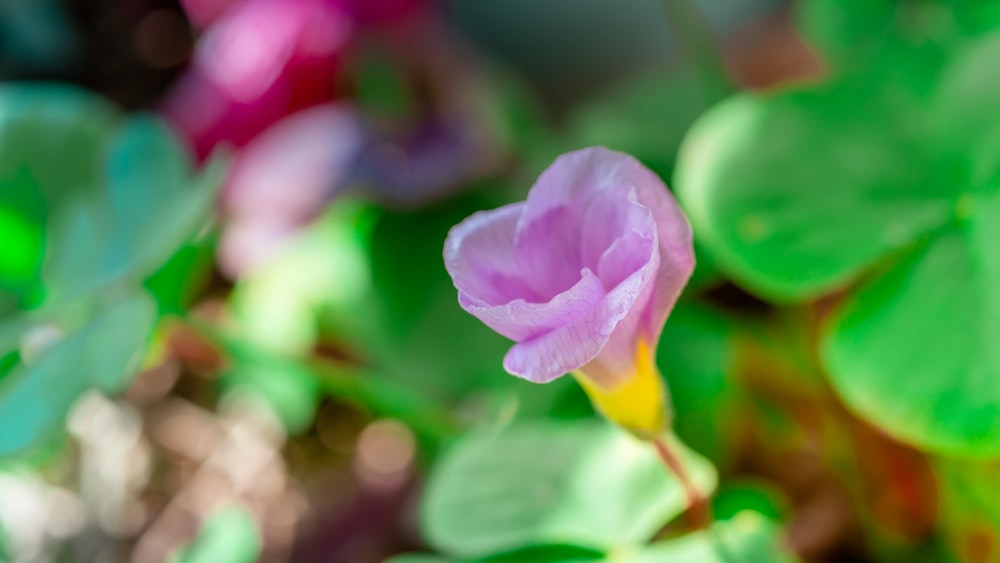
284 178
262 60
582 275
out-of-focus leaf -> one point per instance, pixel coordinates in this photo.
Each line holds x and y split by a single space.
747 537
157 198
695 357
799 193
547 554
176 283
229 536
796 193
965 106
288 388
22 222
844 29
151 203
425 338
35 396
760 497
970 516
101 198
583 483
50 148
932 321
850 32
323 269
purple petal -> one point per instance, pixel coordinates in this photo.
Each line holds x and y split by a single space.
479 255
582 271
582 338
522 320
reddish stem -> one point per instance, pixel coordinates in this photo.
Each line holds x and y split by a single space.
699 513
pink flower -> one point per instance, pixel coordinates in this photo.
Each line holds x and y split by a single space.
582 275
262 60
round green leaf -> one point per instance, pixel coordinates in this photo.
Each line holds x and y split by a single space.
53 135
966 108
843 29
915 350
35 396
851 32
796 193
583 483
157 199
119 200
747 537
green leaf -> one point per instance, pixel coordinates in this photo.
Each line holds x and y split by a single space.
583 483
695 357
70 124
425 339
157 200
740 495
965 107
843 29
287 387
851 32
915 350
970 514
800 193
35 396
150 205
119 200
229 536
796 193
748 537
547 554
43 124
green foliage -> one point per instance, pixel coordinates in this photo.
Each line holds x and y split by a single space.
583 483
229 536
747 537
849 31
424 338
103 354
876 173
91 203
121 200
695 357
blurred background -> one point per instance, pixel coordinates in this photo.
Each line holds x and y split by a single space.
226 332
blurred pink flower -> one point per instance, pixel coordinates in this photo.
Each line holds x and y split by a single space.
284 178
262 60
582 275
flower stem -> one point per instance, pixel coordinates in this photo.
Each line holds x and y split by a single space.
696 41
699 513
